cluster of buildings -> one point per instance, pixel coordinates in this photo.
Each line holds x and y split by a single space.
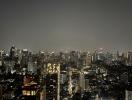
64 75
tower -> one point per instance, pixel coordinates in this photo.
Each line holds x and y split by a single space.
53 81
12 52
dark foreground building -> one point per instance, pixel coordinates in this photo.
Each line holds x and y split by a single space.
51 87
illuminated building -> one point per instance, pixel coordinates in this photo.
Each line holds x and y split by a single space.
24 60
85 59
74 80
94 56
88 59
51 87
53 82
30 89
98 55
12 52
82 59
74 58
129 55
128 95
32 65
2 52
1 56
63 77
84 83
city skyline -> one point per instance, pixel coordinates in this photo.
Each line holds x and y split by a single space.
59 25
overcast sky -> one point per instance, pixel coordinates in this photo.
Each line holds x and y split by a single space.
65 24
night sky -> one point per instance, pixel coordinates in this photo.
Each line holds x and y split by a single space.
66 24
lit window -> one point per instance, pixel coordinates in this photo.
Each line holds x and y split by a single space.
24 92
28 93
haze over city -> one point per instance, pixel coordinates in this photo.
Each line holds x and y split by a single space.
66 24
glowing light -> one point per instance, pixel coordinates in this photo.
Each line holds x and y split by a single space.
53 68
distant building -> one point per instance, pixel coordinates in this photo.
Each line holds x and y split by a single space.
94 56
129 56
32 65
25 58
128 95
83 59
12 51
74 58
88 59
63 78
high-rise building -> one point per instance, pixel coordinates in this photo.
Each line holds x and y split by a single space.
51 86
74 58
1 57
12 52
128 95
94 56
53 81
25 58
82 59
88 59
129 56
